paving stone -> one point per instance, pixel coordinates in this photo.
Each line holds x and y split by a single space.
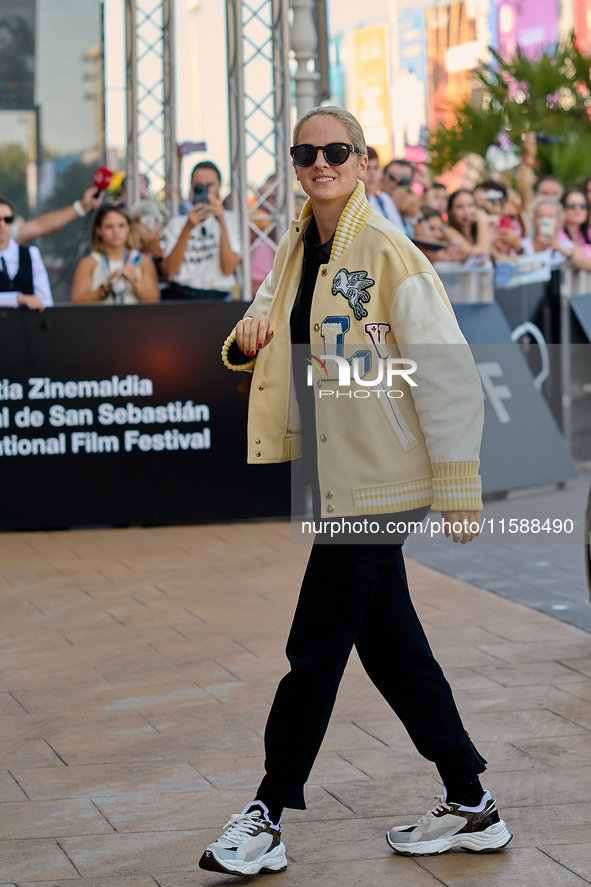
138 780
510 868
34 860
574 857
137 669
51 819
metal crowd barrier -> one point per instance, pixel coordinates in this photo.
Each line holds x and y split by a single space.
474 284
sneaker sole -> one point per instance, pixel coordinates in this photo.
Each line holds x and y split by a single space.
491 840
270 864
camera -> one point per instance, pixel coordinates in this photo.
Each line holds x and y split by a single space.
201 194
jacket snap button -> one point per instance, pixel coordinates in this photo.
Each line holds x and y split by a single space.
257 442
319 383
258 454
316 327
330 508
324 272
323 437
261 388
328 494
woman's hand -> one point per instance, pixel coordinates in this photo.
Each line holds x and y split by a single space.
469 521
252 334
216 207
129 272
198 214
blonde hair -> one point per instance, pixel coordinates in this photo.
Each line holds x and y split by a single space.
351 124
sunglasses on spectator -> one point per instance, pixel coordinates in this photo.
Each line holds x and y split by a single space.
575 206
7 219
335 154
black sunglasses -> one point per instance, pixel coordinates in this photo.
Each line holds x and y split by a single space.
575 206
7 219
335 154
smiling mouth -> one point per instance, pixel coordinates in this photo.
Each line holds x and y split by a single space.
320 180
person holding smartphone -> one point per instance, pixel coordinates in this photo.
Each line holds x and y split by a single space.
202 249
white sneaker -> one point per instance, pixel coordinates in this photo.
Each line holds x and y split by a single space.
250 844
448 825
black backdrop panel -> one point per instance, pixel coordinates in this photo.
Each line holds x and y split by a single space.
174 346
521 445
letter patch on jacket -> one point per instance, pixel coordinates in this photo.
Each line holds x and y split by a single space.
353 285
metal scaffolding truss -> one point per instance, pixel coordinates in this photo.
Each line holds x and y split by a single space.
260 122
151 140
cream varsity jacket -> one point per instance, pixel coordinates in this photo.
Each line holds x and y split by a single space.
384 444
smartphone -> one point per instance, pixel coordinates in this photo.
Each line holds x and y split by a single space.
201 194
434 245
546 227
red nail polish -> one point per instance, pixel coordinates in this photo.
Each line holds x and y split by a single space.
260 345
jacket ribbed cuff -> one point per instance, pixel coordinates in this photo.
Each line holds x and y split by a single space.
456 486
227 357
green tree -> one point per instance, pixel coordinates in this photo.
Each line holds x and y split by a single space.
13 176
517 95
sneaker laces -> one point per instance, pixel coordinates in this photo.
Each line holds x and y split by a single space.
241 827
439 807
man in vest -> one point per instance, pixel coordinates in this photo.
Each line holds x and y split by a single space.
23 278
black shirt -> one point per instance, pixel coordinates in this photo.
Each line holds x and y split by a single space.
315 255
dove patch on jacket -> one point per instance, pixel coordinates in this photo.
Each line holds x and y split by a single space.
353 285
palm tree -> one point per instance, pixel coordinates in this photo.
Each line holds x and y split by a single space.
516 95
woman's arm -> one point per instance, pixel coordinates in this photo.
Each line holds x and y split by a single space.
575 253
229 261
82 290
482 234
461 243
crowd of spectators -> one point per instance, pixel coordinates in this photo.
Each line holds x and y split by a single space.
135 257
488 223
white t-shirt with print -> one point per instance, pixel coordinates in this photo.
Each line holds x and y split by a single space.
201 263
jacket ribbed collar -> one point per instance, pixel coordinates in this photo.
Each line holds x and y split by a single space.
353 218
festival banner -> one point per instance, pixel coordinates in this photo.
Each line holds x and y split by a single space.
368 86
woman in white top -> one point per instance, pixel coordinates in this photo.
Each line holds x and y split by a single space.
23 278
114 273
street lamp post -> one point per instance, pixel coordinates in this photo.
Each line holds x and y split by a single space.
304 42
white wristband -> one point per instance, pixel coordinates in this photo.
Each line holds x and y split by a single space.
79 209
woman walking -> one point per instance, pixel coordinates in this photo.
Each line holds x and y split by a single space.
344 274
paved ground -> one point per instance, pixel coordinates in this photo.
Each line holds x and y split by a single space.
137 667
531 568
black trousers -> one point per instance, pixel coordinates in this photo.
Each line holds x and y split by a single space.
358 595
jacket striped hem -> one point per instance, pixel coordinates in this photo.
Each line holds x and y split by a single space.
293 447
395 497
